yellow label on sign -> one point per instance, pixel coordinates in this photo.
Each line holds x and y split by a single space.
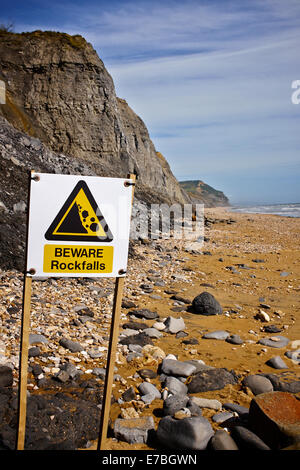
78 259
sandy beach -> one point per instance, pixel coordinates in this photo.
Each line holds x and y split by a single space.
270 238
250 265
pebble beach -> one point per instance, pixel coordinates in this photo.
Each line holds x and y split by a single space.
216 365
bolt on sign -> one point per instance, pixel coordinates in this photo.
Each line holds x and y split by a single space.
78 226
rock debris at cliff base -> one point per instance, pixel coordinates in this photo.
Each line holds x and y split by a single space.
177 370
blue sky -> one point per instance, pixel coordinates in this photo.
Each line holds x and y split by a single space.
212 81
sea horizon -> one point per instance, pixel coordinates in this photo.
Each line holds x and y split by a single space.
283 209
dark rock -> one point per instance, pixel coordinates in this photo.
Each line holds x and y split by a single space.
189 433
284 385
181 299
146 287
144 313
132 325
34 351
86 312
272 329
174 403
6 376
211 379
206 304
241 410
140 339
190 341
147 373
246 439
36 369
129 394
71 345
128 304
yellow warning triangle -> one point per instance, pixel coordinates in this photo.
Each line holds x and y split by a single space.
79 219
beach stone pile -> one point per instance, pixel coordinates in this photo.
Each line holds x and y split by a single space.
164 402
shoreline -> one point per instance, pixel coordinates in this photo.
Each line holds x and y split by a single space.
225 269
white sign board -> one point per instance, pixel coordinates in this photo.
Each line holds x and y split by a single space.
78 226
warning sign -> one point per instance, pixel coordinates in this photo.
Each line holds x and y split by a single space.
79 219
78 226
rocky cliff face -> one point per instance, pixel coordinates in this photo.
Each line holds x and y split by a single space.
201 193
59 91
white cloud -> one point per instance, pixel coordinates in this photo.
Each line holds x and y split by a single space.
211 80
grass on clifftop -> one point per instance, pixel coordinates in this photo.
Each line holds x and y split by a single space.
75 41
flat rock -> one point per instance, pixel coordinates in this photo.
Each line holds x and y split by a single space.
152 333
144 313
190 433
275 341
219 334
222 417
234 339
275 418
140 339
132 325
239 409
258 384
174 325
207 403
211 379
206 304
133 430
177 368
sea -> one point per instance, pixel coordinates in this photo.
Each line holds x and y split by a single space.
285 210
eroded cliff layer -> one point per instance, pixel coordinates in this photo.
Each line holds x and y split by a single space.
59 91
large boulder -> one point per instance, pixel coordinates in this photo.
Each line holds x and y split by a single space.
275 418
206 304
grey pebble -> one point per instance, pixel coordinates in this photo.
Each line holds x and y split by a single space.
177 368
146 387
219 334
258 384
277 363
222 416
281 341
